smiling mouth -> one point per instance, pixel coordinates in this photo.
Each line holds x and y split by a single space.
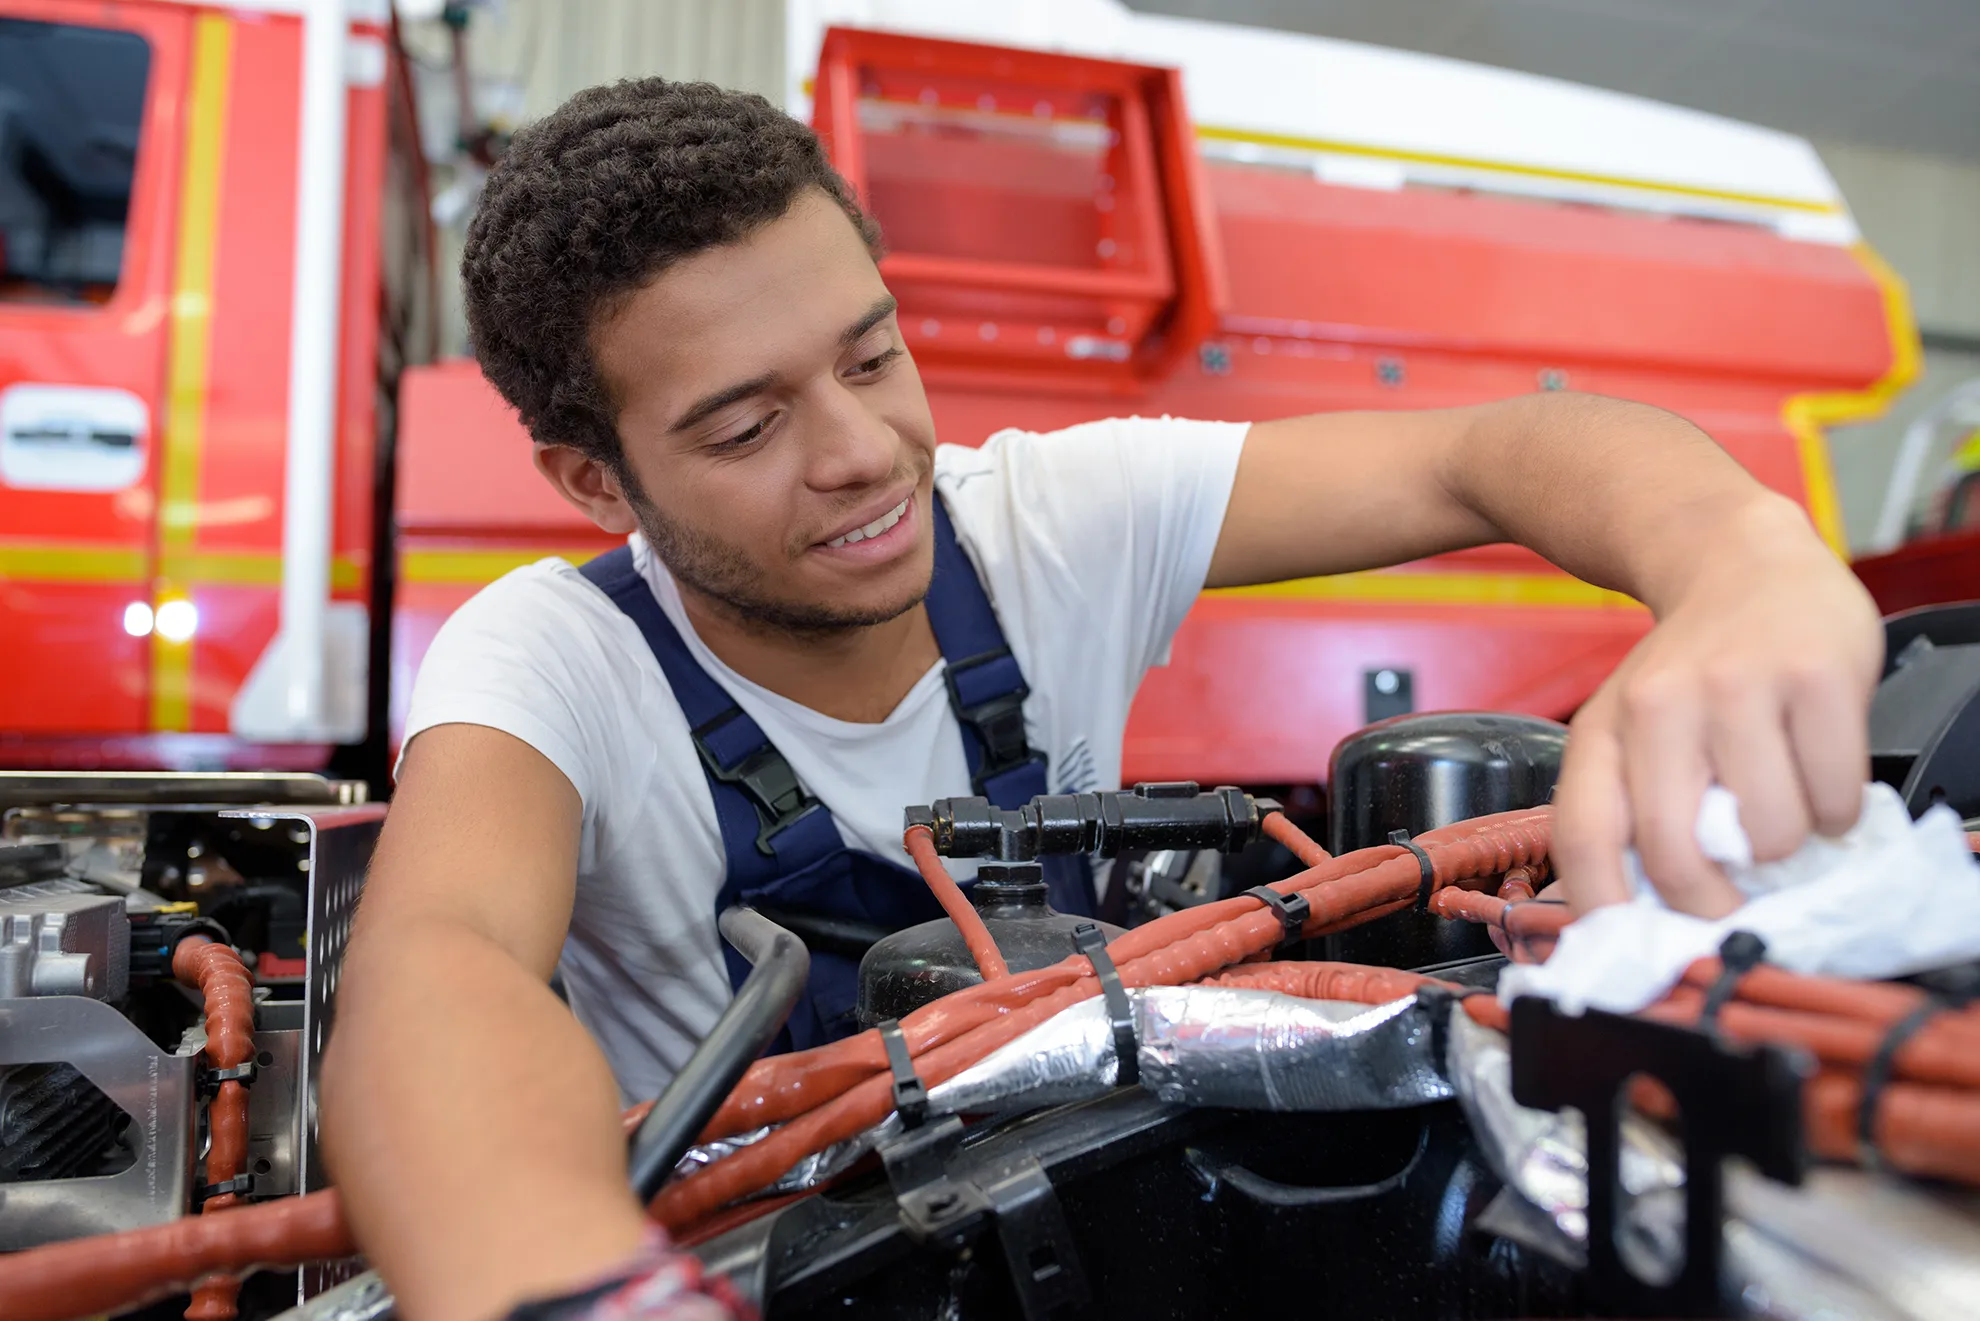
873 529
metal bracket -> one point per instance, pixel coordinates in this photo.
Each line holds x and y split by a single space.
948 1210
1734 1101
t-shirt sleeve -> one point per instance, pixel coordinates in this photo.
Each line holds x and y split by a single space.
1131 508
515 657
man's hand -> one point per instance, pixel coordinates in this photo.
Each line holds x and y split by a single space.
1757 676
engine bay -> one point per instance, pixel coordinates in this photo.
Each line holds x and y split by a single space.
1272 1073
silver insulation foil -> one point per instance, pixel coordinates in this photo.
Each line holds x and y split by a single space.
1216 1046
806 1173
1199 1045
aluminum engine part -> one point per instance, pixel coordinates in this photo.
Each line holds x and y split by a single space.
154 1087
63 938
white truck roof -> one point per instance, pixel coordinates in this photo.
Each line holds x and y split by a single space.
1377 117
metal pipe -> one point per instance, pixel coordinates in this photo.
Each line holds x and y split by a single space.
780 967
298 708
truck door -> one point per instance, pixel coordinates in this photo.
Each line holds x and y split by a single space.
97 298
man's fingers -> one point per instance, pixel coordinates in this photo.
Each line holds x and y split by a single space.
1665 771
1752 757
1591 816
1831 743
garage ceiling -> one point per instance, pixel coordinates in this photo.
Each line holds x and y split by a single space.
1897 74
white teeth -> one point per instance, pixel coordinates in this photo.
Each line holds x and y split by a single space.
873 529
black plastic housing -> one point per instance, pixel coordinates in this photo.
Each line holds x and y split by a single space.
922 963
1419 772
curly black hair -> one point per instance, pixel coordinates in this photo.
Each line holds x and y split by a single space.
594 201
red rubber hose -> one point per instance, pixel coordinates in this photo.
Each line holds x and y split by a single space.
1279 827
228 994
920 841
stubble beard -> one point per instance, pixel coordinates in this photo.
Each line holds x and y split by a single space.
732 583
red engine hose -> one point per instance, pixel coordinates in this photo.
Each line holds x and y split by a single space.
91 1276
920 841
1279 828
228 994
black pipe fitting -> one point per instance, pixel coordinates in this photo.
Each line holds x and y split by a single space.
1148 816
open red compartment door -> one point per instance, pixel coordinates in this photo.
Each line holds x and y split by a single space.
1045 215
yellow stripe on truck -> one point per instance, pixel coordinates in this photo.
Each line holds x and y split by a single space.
473 568
1807 416
58 562
186 366
1391 587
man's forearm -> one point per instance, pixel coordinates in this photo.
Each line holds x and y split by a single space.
1620 494
471 1126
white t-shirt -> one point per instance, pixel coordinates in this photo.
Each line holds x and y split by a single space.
1092 543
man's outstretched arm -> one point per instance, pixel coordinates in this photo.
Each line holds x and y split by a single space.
470 1123
1758 674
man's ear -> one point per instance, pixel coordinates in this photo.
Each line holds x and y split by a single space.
589 485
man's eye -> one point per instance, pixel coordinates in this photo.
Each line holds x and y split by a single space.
741 439
873 365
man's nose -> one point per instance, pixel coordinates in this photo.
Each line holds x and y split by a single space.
850 445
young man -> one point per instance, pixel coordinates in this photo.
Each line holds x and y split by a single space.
680 297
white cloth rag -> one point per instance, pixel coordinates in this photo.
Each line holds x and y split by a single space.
1891 897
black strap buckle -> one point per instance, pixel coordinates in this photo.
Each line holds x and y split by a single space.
910 1093
1089 940
997 722
772 787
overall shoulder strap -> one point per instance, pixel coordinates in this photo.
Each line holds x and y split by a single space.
986 686
771 826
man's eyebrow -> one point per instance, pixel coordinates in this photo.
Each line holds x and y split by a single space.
883 308
709 405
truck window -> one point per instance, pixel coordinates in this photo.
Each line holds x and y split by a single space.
71 106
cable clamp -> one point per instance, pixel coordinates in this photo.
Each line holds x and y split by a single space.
1293 910
1426 870
1089 940
1882 1068
242 1073
242 1184
910 1093
1739 953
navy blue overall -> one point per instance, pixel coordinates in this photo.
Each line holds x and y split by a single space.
783 848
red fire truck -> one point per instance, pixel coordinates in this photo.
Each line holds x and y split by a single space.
232 513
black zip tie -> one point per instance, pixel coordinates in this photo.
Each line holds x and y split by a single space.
1426 869
1878 1073
1090 941
242 1184
1293 910
1739 953
910 1094
242 1073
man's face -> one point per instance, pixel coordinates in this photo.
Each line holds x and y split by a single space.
775 427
